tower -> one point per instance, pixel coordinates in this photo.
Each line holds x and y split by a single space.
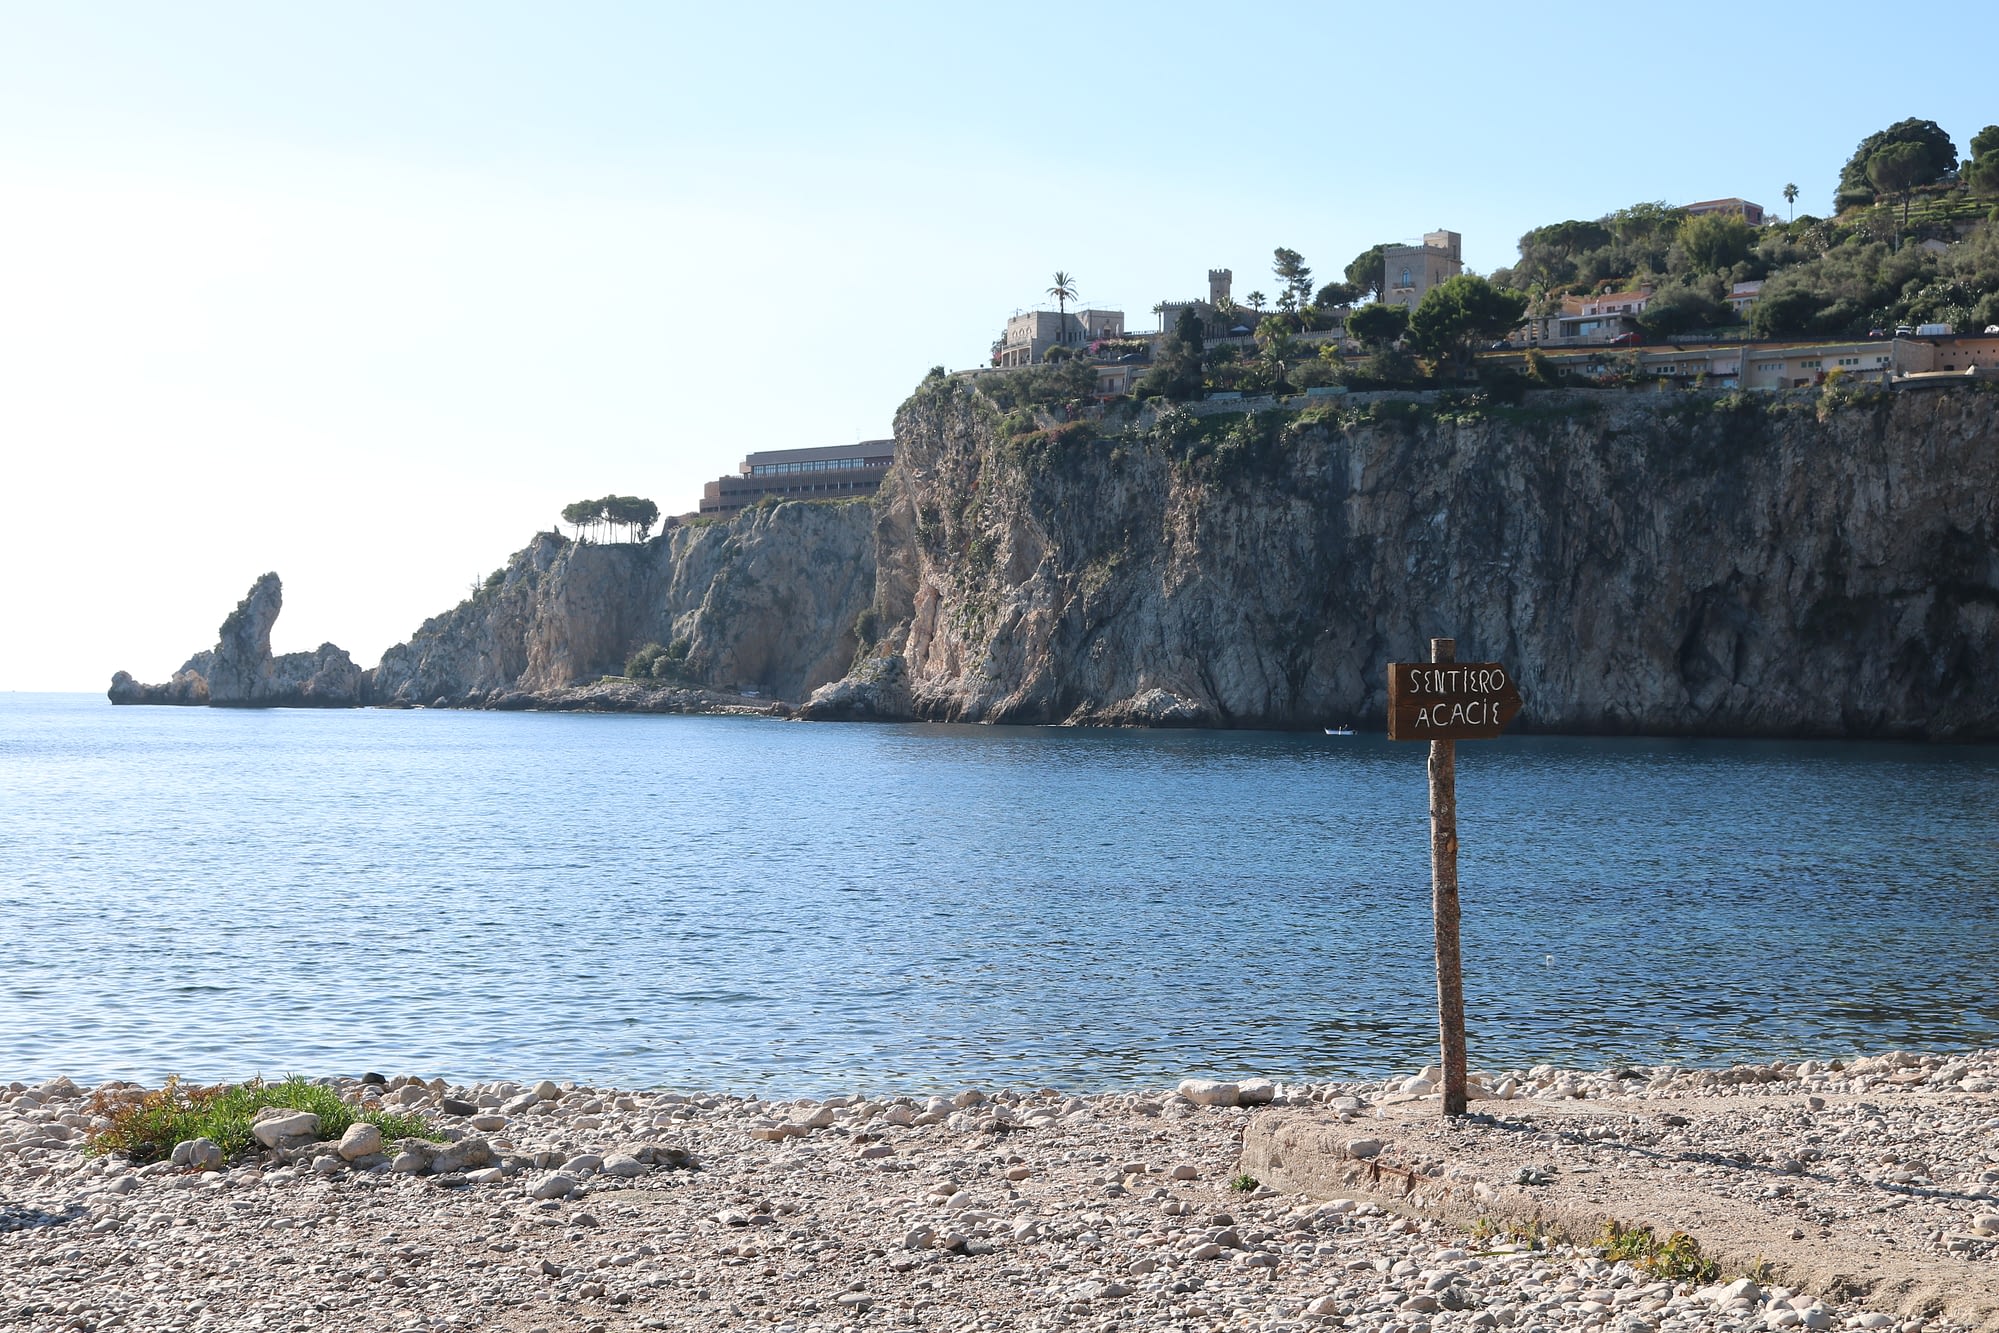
1218 285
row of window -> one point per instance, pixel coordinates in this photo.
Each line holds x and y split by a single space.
1817 363
812 465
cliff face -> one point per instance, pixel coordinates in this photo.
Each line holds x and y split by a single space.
1685 564
241 672
1689 564
766 601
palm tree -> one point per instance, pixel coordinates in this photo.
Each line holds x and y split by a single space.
1256 300
1064 291
1226 311
1791 198
1277 344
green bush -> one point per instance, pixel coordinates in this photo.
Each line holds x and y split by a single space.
1314 374
639 666
658 661
1677 1258
146 1128
1042 385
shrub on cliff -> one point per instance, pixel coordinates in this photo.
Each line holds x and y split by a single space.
657 661
1061 383
1318 373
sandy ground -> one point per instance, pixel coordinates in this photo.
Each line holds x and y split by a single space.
1000 1209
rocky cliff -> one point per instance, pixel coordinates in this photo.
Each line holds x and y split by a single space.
241 672
1822 564
766 602
1810 565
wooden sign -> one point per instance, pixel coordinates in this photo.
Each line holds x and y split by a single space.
1444 701
1449 701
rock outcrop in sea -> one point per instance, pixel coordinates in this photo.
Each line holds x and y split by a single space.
763 607
240 671
1800 564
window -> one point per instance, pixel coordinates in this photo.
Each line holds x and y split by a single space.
1405 279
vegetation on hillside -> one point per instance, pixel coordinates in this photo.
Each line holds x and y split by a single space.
658 661
1868 268
1916 241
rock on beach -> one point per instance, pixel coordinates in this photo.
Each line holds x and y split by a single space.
643 1210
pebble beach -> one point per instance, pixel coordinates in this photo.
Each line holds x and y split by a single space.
547 1206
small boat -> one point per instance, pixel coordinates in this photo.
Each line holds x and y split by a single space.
1339 731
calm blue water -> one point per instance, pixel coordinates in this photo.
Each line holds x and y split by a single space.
750 905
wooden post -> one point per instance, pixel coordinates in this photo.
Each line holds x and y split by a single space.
1444 903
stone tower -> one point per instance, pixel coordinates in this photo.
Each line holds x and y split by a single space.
1218 285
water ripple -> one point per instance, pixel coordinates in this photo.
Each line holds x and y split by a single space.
743 904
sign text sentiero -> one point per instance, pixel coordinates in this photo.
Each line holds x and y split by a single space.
1449 701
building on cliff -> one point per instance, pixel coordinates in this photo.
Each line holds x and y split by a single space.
1031 333
1597 319
1408 271
1218 315
841 472
1730 207
1948 354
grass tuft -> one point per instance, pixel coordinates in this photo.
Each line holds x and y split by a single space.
1486 1233
146 1126
1243 1183
1676 1258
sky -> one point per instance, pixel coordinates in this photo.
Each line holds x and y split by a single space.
364 294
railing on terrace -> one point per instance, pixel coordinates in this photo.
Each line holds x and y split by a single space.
1074 307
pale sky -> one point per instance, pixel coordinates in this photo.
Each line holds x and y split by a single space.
366 293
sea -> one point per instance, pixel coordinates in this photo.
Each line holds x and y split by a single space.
756 906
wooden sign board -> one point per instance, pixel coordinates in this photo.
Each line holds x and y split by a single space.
1449 701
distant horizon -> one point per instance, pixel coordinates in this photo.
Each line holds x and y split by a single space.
368 297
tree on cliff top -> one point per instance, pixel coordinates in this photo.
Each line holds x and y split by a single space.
1899 169
1378 325
1064 291
1457 313
1294 277
1981 173
583 514
1368 271
629 512
1176 366
1713 242
1938 156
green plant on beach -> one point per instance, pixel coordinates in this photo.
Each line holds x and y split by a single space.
145 1127
1243 1183
1676 1258
1487 1233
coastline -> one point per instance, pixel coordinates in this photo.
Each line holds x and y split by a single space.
612 696
625 1209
